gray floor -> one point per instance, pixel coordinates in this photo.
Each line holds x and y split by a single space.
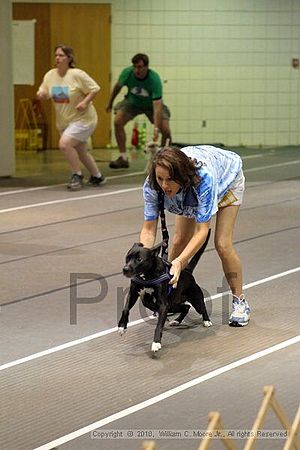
49 238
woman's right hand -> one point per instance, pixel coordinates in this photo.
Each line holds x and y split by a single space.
41 95
175 271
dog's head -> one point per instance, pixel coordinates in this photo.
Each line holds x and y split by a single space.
140 260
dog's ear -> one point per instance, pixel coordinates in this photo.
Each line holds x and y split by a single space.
156 249
138 244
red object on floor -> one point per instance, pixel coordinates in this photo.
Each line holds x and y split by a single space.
135 136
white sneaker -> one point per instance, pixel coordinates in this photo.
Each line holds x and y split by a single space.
240 315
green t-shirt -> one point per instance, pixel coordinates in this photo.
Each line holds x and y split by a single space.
141 93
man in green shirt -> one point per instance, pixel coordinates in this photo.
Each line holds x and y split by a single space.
144 96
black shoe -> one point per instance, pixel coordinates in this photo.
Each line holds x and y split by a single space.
76 182
96 181
119 163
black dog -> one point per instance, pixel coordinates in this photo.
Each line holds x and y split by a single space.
150 281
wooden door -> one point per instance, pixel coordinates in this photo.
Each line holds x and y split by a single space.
86 28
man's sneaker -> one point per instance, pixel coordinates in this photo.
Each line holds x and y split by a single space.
241 312
96 181
119 163
76 182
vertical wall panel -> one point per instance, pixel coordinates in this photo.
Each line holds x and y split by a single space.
40 12
90 38
7 166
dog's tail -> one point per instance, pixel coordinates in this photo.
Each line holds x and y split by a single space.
194 261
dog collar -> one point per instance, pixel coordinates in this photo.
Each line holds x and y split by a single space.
154 281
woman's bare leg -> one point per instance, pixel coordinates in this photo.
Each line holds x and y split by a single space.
232 267
67 146
87 159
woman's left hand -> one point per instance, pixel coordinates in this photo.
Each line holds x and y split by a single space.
175 271
81 106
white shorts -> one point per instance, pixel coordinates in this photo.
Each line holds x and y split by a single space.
236 192
79 131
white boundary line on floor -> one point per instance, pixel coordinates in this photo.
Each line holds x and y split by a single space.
125 175
164 395
136 322
113 177
40 188
71 199
270 166
120 191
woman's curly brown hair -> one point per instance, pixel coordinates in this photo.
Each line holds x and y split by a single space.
181 168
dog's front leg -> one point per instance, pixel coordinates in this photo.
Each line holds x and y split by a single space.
162 316
131 299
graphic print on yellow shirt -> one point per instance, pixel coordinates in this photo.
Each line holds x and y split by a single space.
67 92
60 94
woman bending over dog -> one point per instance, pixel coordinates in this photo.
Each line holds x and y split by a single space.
198 182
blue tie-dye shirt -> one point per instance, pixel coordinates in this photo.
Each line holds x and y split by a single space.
217 169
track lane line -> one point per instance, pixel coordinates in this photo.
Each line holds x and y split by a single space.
71 199
136 322
113 177
121 191
40 188
164 395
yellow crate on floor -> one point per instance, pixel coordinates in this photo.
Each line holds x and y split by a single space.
28 136
21 139
28 139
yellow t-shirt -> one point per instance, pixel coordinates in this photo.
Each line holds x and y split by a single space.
66 92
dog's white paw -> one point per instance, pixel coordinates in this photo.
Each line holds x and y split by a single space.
207 323
174 323
156 346
122 330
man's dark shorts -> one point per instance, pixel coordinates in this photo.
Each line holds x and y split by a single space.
133 111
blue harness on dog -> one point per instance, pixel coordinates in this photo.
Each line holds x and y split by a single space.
154 281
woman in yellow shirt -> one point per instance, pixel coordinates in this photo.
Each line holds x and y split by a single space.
72 91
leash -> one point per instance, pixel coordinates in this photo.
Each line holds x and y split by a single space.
164 230
164 250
